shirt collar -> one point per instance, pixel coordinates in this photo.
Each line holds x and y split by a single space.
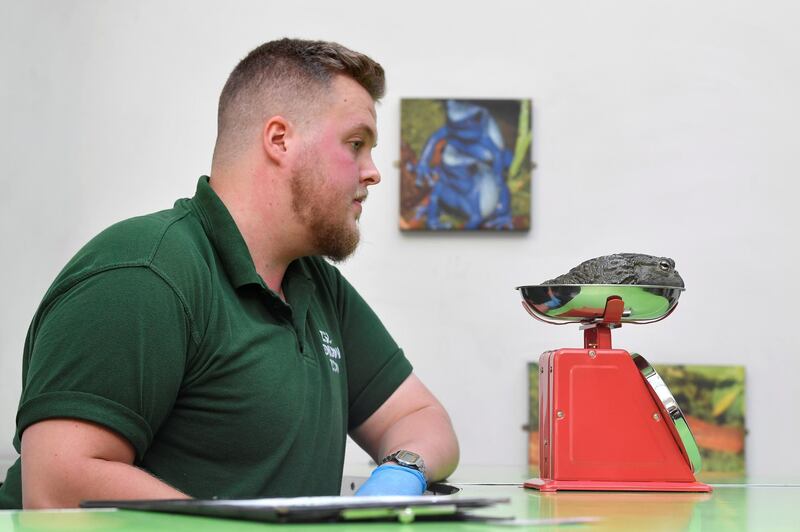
225 236
229 243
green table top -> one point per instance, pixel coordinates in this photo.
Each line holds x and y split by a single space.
733 505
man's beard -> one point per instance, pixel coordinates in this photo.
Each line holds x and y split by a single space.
330 233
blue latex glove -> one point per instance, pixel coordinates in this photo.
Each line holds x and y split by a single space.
390 479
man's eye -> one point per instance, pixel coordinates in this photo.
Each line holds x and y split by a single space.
356 144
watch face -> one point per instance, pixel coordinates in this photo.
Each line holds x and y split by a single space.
406 459
407 456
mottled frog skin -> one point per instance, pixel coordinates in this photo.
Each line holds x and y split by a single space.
623 268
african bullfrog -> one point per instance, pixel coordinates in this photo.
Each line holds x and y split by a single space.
623 268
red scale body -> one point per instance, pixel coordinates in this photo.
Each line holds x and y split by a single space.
600 426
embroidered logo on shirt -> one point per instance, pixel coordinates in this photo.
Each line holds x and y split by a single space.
331 351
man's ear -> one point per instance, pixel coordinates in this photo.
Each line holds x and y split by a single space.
275 138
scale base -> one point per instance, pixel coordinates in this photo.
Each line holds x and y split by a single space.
549 485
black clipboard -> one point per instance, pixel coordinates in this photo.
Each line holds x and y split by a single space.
313 509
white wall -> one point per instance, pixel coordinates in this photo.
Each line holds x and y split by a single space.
660 127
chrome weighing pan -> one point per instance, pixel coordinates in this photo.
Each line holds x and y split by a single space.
572 303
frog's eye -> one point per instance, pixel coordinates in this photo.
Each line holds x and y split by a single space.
664 266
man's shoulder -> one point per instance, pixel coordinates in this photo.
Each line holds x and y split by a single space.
170 242
142 237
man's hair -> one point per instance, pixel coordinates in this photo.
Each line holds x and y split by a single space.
288 77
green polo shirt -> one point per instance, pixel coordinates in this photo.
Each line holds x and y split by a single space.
161 329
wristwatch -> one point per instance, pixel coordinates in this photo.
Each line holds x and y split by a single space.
406 459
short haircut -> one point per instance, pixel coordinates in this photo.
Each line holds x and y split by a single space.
287 76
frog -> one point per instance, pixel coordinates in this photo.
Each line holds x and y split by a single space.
471 175
623 268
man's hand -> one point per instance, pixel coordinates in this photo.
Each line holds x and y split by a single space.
410 419
65 461
390 479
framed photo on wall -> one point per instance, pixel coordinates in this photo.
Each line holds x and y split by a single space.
465 165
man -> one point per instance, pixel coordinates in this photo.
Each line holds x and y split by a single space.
208 350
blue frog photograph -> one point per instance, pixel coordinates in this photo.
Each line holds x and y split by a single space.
465 165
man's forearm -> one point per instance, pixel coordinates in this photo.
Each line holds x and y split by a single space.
87 479
429 433
411 419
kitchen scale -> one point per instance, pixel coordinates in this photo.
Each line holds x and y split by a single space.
607 421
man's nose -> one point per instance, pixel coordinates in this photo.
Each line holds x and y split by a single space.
370 174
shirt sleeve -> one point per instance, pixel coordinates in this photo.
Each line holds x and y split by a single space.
111 350
376 366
